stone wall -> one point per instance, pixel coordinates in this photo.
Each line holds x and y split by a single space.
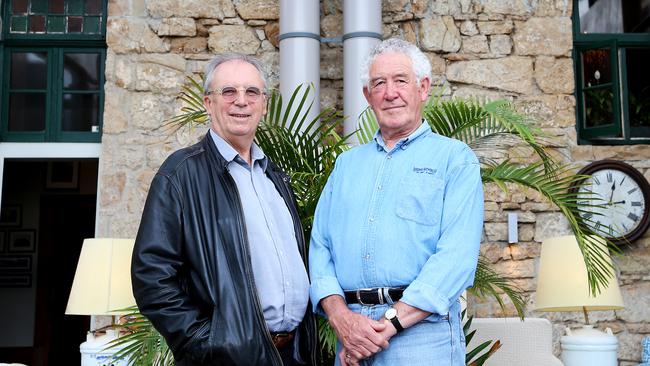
514 49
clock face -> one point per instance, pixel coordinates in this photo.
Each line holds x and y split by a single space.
622 196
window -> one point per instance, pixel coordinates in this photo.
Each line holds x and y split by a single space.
52 60
612 42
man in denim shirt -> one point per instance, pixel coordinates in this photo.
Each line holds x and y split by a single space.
397 229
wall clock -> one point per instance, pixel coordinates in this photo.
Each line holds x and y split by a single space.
624 199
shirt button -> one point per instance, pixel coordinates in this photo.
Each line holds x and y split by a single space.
389 157
287 283
372 219
379 188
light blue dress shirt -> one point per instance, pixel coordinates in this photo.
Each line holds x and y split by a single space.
409 217
279 272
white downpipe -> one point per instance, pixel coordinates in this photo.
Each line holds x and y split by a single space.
300 49
361 32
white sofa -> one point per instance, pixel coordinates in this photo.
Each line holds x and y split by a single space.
527 342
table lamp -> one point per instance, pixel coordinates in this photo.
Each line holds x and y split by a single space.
102 286
562 286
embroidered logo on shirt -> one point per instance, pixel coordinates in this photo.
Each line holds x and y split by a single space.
424 170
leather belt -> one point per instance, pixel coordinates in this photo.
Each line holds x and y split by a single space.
374 296
281 340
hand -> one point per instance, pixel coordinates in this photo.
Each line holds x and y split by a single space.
358 334
612 195
347 359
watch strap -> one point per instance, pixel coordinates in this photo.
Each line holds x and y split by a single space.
398 326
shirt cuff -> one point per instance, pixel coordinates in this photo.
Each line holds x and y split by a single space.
425 297
321 288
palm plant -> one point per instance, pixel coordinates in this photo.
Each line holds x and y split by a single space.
306 149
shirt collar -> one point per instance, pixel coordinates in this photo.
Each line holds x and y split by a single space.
230 154
403 143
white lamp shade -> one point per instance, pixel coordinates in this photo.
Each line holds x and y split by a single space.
102 282
562 281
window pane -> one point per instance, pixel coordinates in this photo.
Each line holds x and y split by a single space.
74 24
80 112
75 7
638 86
19 6
37 23
18 24
91 25
598 107
28 70
57 6
55 24
596 67
94 7
39 6
614 16
26 112
81 71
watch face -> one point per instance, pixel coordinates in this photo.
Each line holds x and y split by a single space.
622 201
390 313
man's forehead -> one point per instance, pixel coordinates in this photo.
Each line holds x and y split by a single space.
237 72
391 64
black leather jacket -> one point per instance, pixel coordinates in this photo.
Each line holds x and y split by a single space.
191 268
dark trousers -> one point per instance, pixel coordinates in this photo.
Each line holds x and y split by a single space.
287 355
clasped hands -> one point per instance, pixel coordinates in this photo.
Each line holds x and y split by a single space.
360 336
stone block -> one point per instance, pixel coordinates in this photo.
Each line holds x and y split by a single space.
233 38
177 27
468 28
551 224
331 25
496 231
124 72
189 45
554 76
544 36
111 184
272 33
129 35
500 44
331 65
158 78
215 9
439 34
507 7
552 8
116 117
420 8
495 27
149 110
636 298
516 268
475 44
258 9
509 73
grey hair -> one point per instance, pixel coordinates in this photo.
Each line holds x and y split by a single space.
419 61
231 56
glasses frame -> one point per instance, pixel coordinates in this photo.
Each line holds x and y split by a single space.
239 90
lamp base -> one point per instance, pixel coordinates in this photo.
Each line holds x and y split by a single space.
93 352
589 346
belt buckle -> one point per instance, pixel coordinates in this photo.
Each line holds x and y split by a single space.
380 296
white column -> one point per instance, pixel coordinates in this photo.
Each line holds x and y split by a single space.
300 49
361 32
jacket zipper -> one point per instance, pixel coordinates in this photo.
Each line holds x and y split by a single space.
248 269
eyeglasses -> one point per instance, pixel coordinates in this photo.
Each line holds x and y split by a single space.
230 93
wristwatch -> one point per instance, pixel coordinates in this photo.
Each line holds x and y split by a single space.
391 315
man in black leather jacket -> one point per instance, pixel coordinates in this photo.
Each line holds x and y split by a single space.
219 261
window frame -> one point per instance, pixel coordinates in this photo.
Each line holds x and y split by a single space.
54 94
619 43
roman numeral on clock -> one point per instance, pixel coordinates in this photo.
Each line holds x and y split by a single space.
632 217
632 190
609 177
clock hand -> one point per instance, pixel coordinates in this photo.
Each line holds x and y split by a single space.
616 203
612 195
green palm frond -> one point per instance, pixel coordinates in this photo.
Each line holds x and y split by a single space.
556 186
193 111
142 345
489 283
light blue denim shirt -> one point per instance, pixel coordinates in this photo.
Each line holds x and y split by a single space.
409 217
280 275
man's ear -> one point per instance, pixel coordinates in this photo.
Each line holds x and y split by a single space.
425 85
366 93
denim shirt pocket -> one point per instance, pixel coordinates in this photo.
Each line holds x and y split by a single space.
421 198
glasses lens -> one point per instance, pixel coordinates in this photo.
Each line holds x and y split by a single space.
229 93
252 93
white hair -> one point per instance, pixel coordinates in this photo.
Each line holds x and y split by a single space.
231 56
419 61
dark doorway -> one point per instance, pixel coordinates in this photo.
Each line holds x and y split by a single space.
61 212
